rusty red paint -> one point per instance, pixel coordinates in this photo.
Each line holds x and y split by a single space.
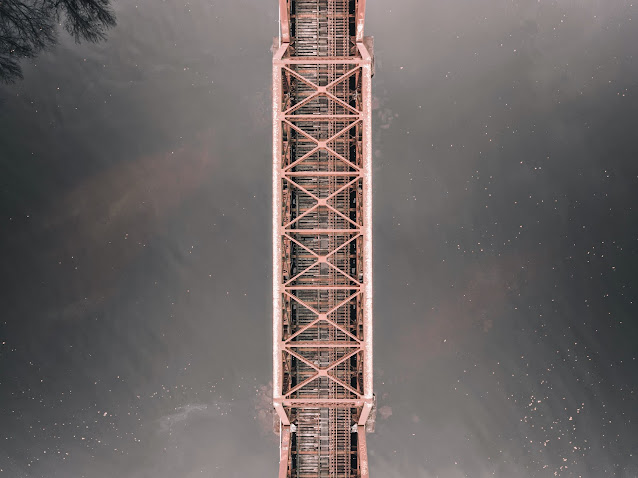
322 238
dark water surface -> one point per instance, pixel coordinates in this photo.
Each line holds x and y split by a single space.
135 239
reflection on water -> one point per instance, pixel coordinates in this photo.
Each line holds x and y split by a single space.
28 27
135 260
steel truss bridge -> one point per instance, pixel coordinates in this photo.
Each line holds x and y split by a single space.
322 239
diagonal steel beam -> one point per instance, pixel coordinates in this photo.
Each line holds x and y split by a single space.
301 215
343 216
303 158
345 76
301 358
320 318
301 385
343 359
347 276
301 78
342 158
300 131
301 273
298 186
302 246
354 238
344 385
300 302
346 301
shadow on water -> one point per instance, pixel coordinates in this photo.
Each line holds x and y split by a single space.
28 27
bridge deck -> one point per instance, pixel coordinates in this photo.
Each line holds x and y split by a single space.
322 250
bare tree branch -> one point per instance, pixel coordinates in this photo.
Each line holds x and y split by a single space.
28 27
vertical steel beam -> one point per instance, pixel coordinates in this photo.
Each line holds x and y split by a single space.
363 453
276 221
360 19
367 216
284 21
284 452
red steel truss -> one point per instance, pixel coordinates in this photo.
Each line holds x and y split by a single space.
322 239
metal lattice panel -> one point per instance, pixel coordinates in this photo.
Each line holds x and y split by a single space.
322 316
